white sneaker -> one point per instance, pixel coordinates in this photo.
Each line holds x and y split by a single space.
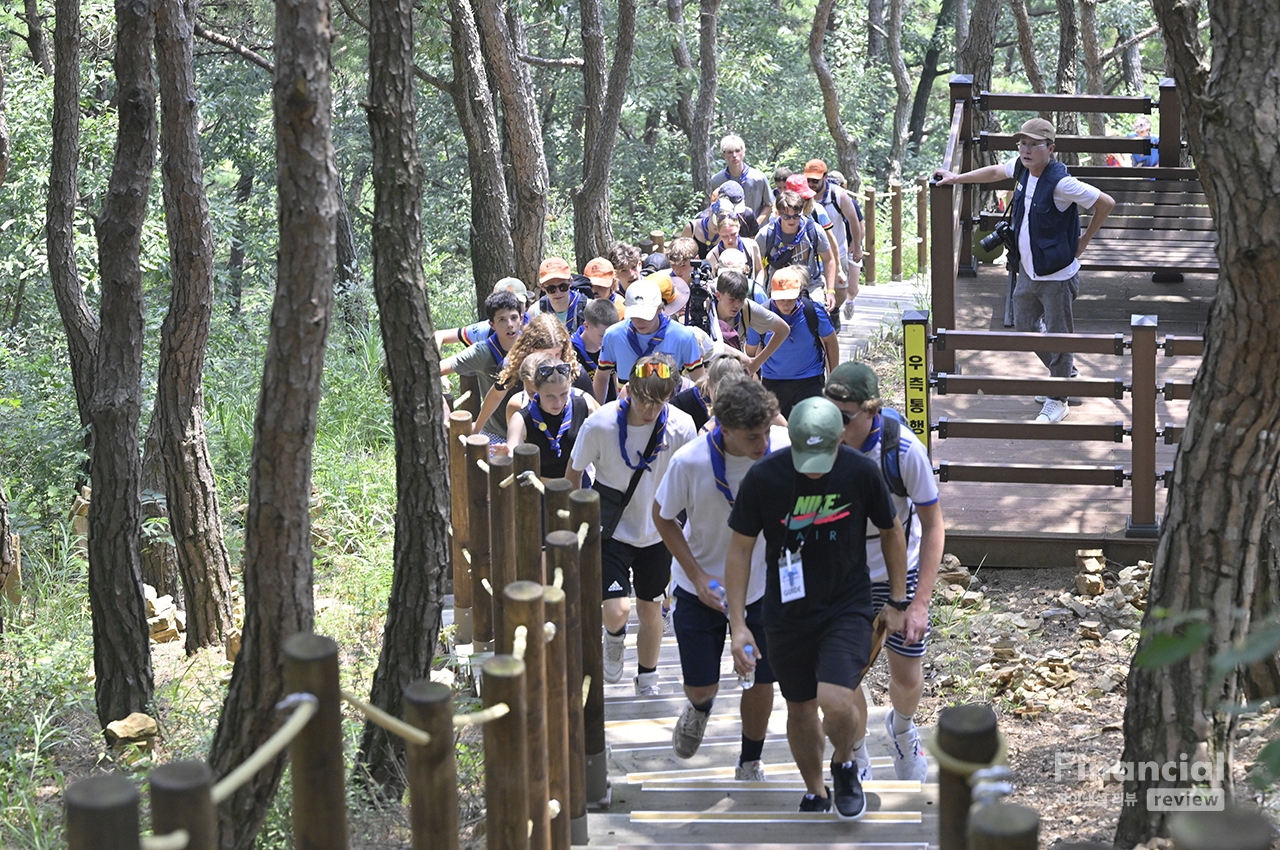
1041 399
614 646
647 685
687 736
909 761
862 761
1053 411
848 309
668 609
749 771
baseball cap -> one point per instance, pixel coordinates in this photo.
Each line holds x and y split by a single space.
554 268
723 206
675 292
814 427
786 284
1039 129
731 259
732 192
852 381
644 299
798 184
655 262
514 285
600 272
815 168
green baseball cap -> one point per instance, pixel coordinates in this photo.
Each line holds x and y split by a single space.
815 427
852 381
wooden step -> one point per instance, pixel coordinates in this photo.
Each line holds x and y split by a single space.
920 830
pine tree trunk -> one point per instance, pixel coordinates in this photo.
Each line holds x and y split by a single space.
902 86
846 145
928 74
422 458
121 640
278 570
697 115
240 232
194 515
875 32
1027 46
8 559
35 37
159 560
1068 123
1220 503
1092 69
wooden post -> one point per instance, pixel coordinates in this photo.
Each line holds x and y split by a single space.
431 769
1002 826
1143 521
962 92
523 607
182 798
505 773
102 813
561 545
1170 124
869 250
942 267
502 542
315 755
895 189
528 526
557 500
922 225
967 733
586 508
1230 829
582 503
459 428
478 542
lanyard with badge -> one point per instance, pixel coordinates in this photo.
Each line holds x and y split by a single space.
791 562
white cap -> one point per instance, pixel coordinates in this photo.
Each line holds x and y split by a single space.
644 300
731 259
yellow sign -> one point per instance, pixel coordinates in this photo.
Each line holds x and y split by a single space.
916 362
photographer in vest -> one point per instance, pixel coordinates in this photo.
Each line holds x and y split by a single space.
1047 241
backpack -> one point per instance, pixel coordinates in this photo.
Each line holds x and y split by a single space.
806 305
784 257
835 189
582 285
890 463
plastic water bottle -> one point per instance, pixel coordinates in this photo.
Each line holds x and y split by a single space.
718 588
750 679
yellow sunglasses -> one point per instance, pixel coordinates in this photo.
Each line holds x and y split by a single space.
644 370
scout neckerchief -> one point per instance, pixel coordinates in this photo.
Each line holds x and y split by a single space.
535 411
544 304
633 337
715 441
661 425
580 346
498 354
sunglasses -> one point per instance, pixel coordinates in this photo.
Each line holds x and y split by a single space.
644 370
556 287
788 216
815 182
546 370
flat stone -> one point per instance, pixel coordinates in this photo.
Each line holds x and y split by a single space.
136 728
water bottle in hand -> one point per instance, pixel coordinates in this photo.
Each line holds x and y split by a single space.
750 679
718 588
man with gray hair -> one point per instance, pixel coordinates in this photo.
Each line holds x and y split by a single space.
757 192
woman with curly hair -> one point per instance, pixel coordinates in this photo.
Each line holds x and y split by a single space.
543 333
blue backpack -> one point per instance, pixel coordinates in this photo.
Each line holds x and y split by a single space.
890 463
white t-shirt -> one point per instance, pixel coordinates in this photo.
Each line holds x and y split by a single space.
690 486
1068 191
922 490
597 445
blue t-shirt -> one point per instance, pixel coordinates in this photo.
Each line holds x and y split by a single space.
800 356
617 353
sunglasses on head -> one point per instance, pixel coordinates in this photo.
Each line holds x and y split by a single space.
556 287
644 370
546 370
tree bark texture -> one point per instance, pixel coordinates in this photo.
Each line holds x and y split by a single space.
493 253
4 133
962 34
1092 69
35 37
1225 472
235 257
413 362
348 294
697 115
846 145
78 320
976 57
1027 46
875 32
1068 123
277 558
159 560
592 219
194 515
502 40
902 86
1261 680
929 73
121 640
684 66
8 558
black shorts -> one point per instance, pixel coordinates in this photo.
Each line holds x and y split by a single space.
700 634
835 652
791 392
650 566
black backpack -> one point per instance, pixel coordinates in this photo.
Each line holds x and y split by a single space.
810 310
890 463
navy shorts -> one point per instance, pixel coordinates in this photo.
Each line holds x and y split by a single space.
700 634
896 642
835 651
649 566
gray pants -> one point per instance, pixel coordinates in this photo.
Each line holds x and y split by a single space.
1044 306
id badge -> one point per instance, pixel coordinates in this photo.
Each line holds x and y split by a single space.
791 576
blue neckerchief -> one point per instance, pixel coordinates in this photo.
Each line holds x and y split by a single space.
873 437
591 364
746 169
715 441
723 247
544 304
498 354
566 418
782 246
796 315
661 425
633 337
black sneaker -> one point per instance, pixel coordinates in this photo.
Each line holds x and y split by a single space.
851 803
810 803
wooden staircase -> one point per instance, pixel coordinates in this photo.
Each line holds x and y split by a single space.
659 799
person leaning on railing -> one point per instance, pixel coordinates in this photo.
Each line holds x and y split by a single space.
1047 242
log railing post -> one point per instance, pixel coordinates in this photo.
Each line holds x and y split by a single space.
505 752
1143 521
561 547
895 189
586 509
431 768
523 606
968 734
182 798
1003 826
529 532
102 813
502 542
556 502
581 505
459 428
478 541
922 225
869 257
315 755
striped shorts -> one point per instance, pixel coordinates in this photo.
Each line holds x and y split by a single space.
896 642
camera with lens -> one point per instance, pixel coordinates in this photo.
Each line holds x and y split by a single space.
1002 235
700 272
